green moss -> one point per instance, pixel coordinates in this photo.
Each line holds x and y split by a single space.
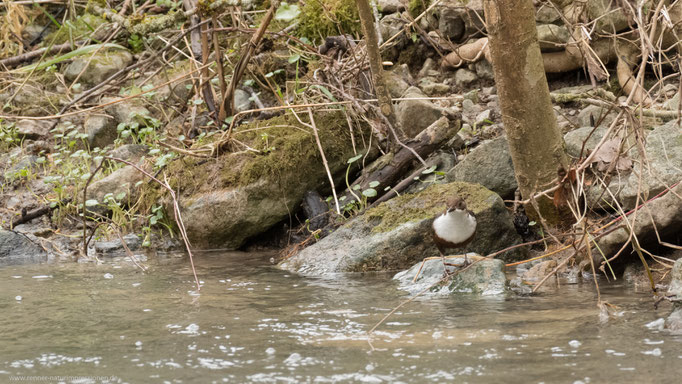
322 18
82 27
416 7
289 154
426 205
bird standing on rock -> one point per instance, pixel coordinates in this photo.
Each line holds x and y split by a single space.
454 228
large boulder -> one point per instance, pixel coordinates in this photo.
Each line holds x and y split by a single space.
17 249
396 234
239 195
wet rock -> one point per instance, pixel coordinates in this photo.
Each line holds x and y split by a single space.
464 77
490 165
675 288
16 249
485 277
115 247
33 129
674 320
415 115
396 234
130 152
538 272
101 130
99 67
316 210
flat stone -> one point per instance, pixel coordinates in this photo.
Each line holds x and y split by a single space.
33 129
464 77
416 115
95 69
484 277
16 249
115 247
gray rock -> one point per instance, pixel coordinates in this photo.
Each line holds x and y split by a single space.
396 234
664 151
574 140
552 37
16 249
673 322
675 288
398 80
598 114
242 101
130 152
415 115
391 25
484 70
126 111
429 65
391 6
431 87
101 130
666 212
115 247
464 77
483 118
25 164
33 129
547 14
120 182
485 277
490 165
246 197
99 67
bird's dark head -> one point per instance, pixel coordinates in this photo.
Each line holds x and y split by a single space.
456 203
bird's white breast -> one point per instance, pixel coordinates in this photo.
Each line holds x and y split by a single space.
456 226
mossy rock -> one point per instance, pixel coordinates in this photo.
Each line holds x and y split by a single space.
81 28
397 234
322 18
240 195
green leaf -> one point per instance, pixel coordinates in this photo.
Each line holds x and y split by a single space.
91 203
287 12
374 184
325 91
532 223
294 58
354 159
356 187
369 192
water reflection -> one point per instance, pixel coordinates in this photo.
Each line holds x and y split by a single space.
253 323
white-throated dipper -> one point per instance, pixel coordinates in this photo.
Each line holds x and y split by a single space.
454 228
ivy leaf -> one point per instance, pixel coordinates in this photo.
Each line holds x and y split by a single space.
369 192
287 12
374 184
91 203
429 170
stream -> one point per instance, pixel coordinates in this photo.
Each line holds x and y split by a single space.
251 322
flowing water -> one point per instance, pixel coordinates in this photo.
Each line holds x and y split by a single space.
251 322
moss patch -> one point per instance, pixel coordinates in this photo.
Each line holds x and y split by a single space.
289 155
83 26
322 18
416 7
413 208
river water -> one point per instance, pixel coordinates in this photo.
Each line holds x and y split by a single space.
87 323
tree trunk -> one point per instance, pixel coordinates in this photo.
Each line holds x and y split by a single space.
376 67
535 141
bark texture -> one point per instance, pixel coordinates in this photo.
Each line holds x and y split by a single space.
535 141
